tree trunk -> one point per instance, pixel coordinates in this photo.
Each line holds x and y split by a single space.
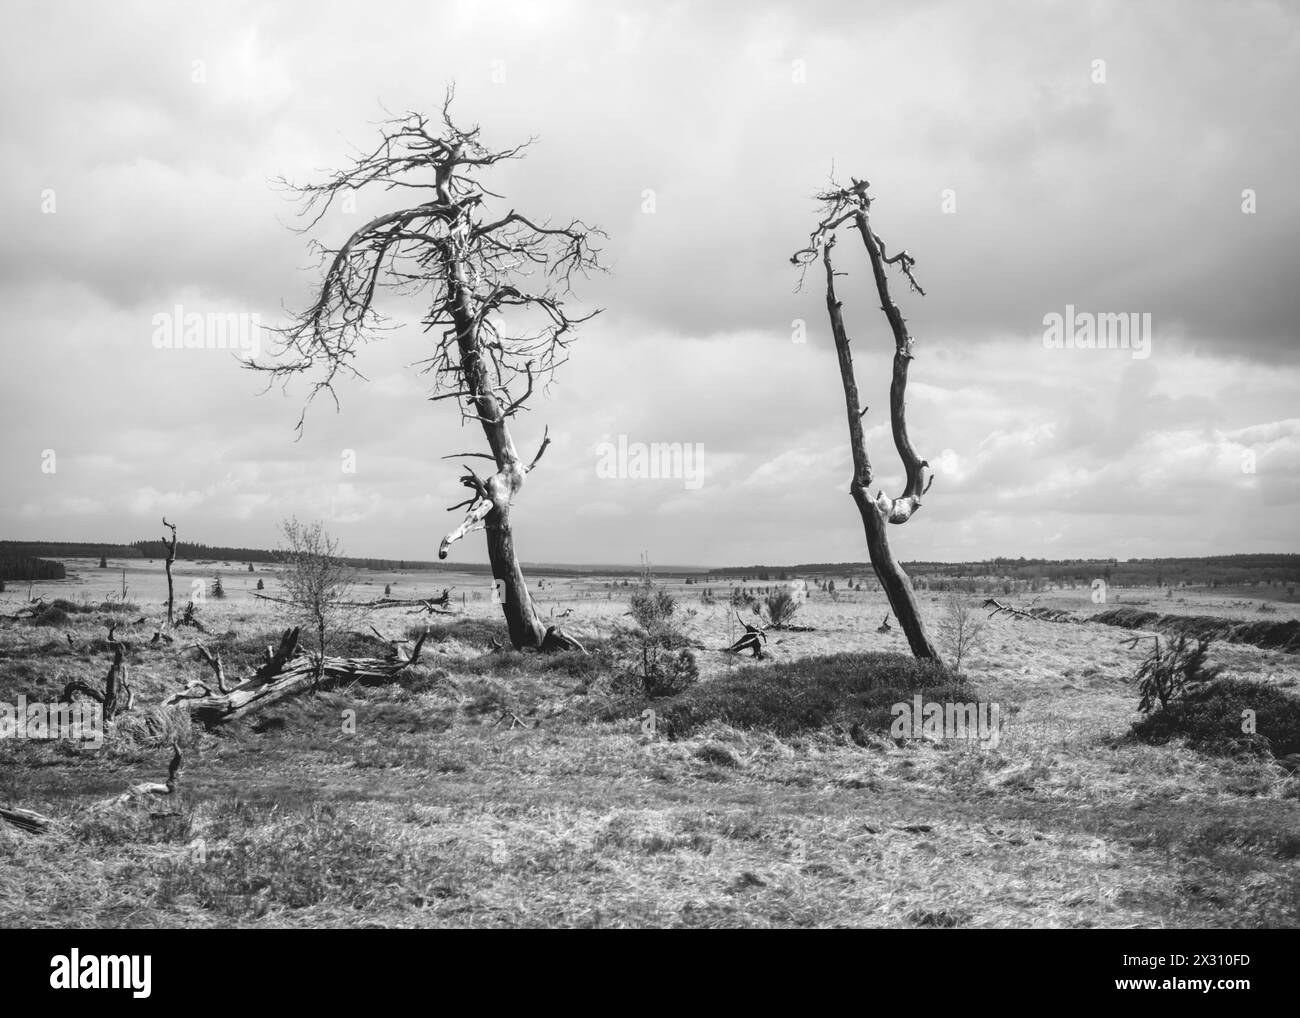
898 587
171 557
878 512
526 629
492 510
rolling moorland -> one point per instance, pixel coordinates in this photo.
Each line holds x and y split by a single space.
483 787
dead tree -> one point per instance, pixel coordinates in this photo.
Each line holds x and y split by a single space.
117 696
851 205
171 557
476 267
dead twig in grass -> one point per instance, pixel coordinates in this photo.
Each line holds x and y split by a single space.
37 823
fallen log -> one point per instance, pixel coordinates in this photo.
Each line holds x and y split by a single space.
26 819
429 605
287 671
1037 614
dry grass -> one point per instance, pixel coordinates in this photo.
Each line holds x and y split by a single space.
439 809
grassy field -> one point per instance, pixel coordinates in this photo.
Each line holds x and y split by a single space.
497 789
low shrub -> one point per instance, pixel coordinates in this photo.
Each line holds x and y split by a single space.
851 693
1171 670
51 616
660 662
1210 718
782 606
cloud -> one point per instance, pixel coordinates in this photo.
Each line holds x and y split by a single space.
157 133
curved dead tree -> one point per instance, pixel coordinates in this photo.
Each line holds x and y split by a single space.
476 268
850 206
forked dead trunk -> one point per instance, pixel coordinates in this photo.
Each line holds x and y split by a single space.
897 584
879 511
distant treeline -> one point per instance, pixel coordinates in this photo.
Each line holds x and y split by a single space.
65 549
189 551
185 550
19 567
1212 571
219 553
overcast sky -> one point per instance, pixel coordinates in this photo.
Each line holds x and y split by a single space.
140 142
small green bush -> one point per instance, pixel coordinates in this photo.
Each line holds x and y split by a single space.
782 606
660 662
1170 670
1210 718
